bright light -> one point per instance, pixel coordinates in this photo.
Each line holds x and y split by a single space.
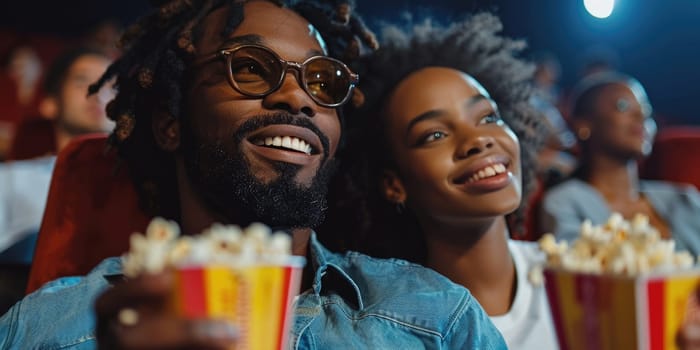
599 8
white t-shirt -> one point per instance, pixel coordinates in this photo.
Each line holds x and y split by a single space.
528 324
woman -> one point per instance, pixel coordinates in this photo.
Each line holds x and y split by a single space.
436 173
612 119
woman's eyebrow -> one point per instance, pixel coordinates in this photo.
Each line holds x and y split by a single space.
436 113
476 99
431 114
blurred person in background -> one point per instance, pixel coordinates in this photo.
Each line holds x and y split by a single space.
24 184
599 59
67 103
104 37
555 160
612 118
23 70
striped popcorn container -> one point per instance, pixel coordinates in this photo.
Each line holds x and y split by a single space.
616 312
256 298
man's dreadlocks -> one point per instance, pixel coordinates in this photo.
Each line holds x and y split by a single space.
150 76
473 46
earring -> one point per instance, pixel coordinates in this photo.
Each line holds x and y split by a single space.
583 133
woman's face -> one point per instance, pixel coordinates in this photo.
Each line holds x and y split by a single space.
622 124
456 159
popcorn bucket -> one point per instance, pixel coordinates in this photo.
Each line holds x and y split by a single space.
256 298
619 312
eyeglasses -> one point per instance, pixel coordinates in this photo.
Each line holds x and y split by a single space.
257 71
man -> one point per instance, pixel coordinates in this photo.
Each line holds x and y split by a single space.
20 75
24 184
66 103
226 61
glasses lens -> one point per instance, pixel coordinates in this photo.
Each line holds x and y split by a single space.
255 70
327 80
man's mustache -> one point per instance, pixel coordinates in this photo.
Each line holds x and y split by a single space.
262 121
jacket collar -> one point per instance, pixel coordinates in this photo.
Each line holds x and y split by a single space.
333 270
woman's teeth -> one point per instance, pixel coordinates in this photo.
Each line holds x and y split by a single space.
489 171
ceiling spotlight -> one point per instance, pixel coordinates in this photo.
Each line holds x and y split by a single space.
599 8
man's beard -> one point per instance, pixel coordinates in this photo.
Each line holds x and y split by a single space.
225 182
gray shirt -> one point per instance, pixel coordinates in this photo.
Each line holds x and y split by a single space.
568 204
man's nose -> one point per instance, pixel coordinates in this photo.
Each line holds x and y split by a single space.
104 95
291 97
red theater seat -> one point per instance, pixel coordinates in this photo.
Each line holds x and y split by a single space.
676 156
90 213
33 138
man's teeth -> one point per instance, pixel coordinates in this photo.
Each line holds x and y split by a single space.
489 171
288 142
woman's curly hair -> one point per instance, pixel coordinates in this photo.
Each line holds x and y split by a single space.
359 217
151 75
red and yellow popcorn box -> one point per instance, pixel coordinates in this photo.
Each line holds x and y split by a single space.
618 312
257 299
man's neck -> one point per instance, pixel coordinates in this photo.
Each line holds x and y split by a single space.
194 215
483 266
300 241
63 138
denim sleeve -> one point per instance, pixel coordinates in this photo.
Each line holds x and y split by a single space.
57 316
8 326
473 329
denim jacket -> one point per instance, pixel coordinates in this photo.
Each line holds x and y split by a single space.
356 302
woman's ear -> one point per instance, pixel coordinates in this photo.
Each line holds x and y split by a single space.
582 128
166 130
392 187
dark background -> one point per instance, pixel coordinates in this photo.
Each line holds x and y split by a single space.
656 41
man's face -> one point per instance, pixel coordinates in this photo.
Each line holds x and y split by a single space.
79 113
224 144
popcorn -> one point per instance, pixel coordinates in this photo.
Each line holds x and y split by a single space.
149 253
161 247
618 246
536 276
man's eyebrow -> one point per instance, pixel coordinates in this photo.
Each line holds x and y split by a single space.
432 114
254 39
314 52
248 39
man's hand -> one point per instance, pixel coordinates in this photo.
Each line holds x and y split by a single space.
689 336
134 315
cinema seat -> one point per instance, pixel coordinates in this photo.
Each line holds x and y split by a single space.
675 156
90 213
